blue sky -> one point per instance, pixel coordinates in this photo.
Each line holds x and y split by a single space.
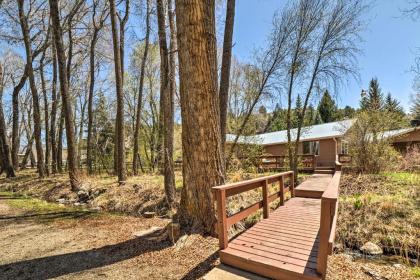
390 42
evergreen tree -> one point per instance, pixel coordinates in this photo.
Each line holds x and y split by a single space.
327 108
415 108
392 105
374 99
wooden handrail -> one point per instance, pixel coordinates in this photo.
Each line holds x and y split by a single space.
329 205
224 191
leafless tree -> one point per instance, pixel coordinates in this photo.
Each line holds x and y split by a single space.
120 97
65 98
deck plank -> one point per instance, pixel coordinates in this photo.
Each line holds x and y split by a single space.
283 246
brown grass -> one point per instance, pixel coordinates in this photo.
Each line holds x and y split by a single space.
384 209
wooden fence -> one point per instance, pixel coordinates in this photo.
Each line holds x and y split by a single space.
225 191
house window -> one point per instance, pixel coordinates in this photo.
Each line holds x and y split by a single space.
344 147
311 148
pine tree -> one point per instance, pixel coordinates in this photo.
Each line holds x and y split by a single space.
374 99
415 108
327 108
392 105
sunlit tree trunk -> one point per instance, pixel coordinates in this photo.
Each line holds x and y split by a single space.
203 164
225 71
166 107
120 98
65 98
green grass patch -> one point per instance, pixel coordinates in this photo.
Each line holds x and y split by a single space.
35 205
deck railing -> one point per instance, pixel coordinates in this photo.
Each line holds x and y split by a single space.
225 191
329 207
277 162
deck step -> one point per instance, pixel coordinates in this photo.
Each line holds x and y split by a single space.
324 170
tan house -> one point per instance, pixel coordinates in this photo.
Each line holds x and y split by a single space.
324 141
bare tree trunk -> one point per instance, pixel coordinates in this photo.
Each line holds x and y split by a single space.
53 112
35 98
6 164
120 98
96 28
203 163
60 142
166 108
61 58
225 71
136 154
27 152
15 119
46 115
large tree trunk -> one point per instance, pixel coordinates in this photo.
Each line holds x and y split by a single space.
15 119
6 159
34 91
203 163
120 98
136 154
225 71
54 101
61 58
167 107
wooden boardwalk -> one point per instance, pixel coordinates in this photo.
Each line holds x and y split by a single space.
314 186
293 241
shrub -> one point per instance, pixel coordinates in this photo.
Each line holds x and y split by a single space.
411 160
369 144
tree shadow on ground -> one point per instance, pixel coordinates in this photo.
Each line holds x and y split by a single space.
202 268
59 265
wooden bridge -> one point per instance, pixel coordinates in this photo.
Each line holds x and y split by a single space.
291 242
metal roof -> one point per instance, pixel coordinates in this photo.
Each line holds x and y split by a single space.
314 132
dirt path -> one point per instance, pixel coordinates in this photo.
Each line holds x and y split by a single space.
76 244
84 246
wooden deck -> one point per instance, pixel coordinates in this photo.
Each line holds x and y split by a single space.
314 186
285 242
293 241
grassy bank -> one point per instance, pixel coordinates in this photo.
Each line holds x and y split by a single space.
384 209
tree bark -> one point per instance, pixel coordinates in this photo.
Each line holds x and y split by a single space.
54 101
96 29
167 107
60 141
120 98
136 154
203 164
15 119
46 114
34 91
64 89
225 71
6 158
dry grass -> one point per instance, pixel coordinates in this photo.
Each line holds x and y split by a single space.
384 209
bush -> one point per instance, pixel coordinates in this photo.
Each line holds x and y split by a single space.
369 144
411 161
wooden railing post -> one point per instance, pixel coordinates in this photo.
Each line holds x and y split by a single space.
266 212
327 215
292 184
281 182
221 220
